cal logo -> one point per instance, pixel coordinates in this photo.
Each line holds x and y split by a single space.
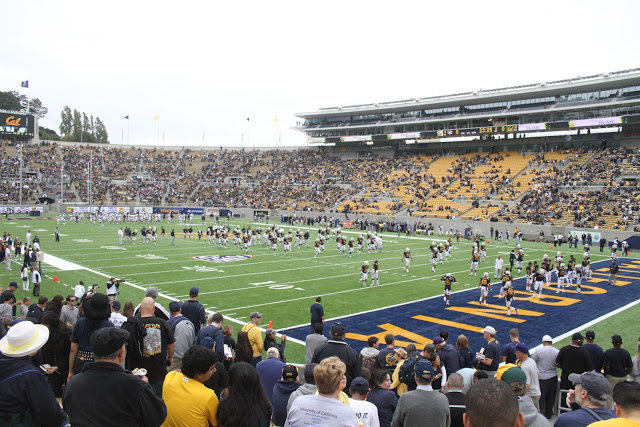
222 258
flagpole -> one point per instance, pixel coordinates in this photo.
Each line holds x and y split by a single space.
158 137
128 126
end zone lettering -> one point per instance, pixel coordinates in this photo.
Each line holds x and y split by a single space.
222 258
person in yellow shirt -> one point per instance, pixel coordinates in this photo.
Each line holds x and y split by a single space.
255 336
189 402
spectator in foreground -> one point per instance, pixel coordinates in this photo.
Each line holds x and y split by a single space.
281 393
189 402
423 403
124 398
309 386
545 358
517 380
492 403
336 346
366 412
381 395
25 395
96 316
315 340
270 371
55 352
592 394
245 403
626 399
324 408
456 398
617 362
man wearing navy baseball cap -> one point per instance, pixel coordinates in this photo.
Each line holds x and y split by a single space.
336 346
424 405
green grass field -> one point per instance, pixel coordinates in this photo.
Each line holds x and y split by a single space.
282 287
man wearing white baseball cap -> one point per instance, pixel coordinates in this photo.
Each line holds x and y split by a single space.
489 357
25 395
545 358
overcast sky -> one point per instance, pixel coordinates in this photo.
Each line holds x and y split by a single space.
204 67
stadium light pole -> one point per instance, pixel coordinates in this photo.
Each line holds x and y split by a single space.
20 176
61 183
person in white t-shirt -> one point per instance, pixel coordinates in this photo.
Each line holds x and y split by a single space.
366 412
79 290
116 317
497 274
325 408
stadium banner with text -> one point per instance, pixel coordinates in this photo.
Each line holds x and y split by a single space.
195 211
143 209
103 209
347 224
212 211
16 124
20 209
554 314
595 235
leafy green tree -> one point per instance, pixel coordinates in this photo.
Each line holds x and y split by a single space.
76 126
11 101
36 107
48 134
101 131
65 123
87 132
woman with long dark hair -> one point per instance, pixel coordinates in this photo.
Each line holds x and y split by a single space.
381 395
244 352
96 316
55 352
246 404
55 304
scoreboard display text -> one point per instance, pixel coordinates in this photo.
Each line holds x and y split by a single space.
16 124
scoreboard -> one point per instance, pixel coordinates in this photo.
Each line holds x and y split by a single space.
16 124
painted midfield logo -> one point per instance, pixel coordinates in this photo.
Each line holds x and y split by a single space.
222 258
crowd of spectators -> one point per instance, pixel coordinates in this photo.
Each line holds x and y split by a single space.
174 367
309 180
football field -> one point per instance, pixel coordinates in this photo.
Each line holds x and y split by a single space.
283 286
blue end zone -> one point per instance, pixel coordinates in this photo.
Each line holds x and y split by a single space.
555 314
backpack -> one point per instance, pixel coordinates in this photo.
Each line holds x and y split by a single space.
212 335
371 363
134 344
406 374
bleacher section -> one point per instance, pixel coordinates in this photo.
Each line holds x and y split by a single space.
549 188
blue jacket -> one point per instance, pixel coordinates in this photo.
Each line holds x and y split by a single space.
218 337
270 372
24 389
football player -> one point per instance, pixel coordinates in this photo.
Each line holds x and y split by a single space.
485 288
364 270
448 279
374 274
406 256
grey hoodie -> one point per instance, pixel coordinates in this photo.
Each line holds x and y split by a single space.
304 390
532 418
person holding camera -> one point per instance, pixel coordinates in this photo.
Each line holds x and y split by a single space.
113 286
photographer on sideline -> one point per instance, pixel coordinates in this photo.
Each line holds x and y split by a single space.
113 287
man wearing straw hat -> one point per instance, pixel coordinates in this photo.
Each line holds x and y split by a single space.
25 395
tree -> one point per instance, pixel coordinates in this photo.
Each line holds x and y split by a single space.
36 107
48 134
87 131
65 124
11 101
101 131
76 126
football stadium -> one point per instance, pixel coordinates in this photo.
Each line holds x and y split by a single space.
388 205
